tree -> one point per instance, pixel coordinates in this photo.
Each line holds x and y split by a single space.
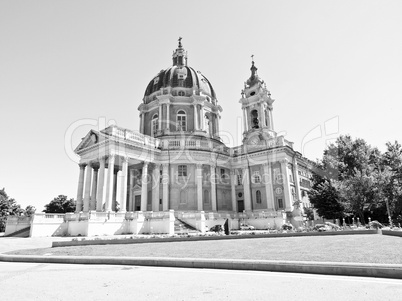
346 183
29 210
325 198
7 207
60 204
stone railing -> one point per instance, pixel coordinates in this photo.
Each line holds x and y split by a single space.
132 136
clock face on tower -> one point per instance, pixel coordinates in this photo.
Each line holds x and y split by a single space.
254 140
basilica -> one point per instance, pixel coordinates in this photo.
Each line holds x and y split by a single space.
177 167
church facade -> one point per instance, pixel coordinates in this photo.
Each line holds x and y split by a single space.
177 160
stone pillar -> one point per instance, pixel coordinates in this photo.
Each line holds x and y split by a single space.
262 119
247 193
245 120
144 187
213 188
109 184
165 184
131 191
155 188
296 179
202 118
87 195
80 190
195 118
123 186
233 190
142 123
101 181
168 117
271 121
199 187
217 125
268 187
286 185
92 204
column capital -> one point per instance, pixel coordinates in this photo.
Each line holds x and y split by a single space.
125 159
102 158
232 172
145 164
165 165
199 165
82 165
285 160
95 165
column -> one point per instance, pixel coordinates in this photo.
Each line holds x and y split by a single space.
268 187
246 186
168 117
130 189
213 188
160 118
286 185
92 204
195 118
80 190
271 121
109 184
296 179
101 181
118 182
245 120
165 188
217 124
233 190
155 188
202 117
142 123
199 187
123 185
87 195
144 187
262 119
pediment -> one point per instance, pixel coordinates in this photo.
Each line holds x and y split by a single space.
92 138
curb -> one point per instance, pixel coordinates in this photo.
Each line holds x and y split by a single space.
327 268
201 238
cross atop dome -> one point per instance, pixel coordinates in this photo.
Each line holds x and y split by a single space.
180 56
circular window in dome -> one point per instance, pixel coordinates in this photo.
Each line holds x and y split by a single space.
181 93
252 93
239 194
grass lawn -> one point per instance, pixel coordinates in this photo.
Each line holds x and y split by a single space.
343 248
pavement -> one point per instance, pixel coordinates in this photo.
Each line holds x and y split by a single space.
8 244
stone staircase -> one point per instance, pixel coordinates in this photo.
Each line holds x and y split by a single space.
20 233
181 227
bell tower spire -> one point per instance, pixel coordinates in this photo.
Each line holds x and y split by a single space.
257 109
179 55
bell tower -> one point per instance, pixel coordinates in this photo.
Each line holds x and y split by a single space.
257 108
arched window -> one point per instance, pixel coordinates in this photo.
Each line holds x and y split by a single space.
155 122
181 93
254 119
258 196
181 121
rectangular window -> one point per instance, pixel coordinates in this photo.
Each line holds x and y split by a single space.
160 176
182 170
256 177
280 203
239 179
222 173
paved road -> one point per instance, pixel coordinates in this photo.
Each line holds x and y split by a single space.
31 281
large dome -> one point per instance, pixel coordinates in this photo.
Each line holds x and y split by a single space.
180 76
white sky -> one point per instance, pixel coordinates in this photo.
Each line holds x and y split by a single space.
333 67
